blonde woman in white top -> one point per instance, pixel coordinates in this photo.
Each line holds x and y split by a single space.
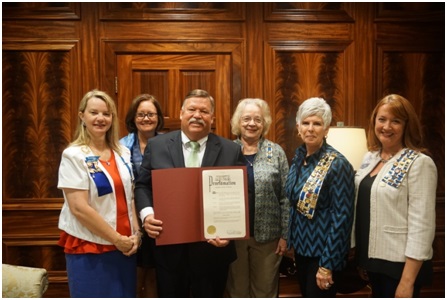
99 227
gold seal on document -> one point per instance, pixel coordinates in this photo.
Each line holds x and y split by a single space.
211 229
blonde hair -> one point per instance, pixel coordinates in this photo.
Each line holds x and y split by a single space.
82 136
265 111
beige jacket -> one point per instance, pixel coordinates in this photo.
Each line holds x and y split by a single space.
402 219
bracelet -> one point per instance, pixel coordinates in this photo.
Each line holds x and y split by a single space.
325 272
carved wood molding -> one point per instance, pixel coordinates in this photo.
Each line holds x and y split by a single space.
169 11
41 11
15 204
309 45
38 44
306 12
410 12
29 240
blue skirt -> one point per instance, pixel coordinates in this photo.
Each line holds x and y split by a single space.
106 275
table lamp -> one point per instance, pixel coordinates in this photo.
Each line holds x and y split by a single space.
350 141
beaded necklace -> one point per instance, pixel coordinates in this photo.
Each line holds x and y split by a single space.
382 160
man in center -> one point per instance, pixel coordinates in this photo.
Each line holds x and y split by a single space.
193 269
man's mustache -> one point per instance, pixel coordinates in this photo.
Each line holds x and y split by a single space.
195 120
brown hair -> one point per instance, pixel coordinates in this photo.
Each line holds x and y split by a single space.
199 94
404 110
130 116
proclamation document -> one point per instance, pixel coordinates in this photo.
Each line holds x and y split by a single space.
224 203
197 204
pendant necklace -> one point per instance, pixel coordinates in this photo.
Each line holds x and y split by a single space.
253 151
107 162
250 162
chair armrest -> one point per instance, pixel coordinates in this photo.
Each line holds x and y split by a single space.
23 282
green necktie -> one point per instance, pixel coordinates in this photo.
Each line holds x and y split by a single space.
193 158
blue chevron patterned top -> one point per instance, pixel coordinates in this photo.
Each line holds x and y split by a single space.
327 235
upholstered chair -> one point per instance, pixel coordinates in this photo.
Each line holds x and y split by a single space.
23 282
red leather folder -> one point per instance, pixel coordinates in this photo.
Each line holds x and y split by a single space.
178 202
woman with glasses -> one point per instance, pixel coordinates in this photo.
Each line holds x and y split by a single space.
143 121
255 272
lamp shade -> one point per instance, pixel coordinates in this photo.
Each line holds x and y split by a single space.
350 141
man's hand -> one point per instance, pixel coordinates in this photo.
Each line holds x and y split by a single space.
217 242
153 227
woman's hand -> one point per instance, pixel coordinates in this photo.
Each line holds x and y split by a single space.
404 290
124 244
363 274
136 240
324 278
281 249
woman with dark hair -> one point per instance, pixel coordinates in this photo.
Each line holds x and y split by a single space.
144 120
395 203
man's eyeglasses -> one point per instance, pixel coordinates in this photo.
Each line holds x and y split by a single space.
141 116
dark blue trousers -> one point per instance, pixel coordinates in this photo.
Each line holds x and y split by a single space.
384 286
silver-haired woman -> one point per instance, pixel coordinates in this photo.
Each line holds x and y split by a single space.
320 187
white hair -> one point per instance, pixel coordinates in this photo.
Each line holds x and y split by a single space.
315 106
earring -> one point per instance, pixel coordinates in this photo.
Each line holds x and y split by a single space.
83 124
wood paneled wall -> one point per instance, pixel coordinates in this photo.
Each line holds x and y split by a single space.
349 53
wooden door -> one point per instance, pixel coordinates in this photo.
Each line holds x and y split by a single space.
170 74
